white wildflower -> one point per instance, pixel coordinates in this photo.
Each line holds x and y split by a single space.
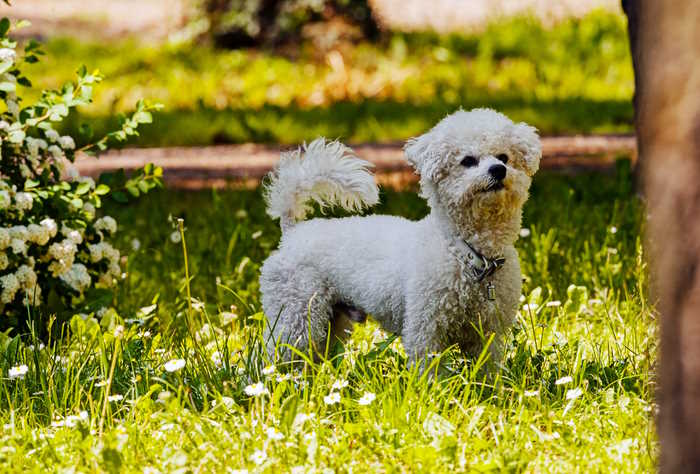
115 398
217 359
4 261
524 232
332 398
339 384
302 418
269 370
613 229
258 457
228 317
573 393
256 390
23 201
553 304
106 223
227 402
283 377
66 142
273 434
531 393
174 365
367 398
135 244
175 237
564 380
18 371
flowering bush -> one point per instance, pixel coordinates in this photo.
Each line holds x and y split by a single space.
55 255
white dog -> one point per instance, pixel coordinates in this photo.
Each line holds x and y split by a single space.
450 278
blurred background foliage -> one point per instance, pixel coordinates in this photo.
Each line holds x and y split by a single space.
287 71
241 23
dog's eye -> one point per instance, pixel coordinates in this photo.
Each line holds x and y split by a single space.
469 161
503 158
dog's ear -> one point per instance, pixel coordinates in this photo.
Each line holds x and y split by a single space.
425 156
528 141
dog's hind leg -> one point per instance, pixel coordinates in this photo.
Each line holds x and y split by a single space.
298 307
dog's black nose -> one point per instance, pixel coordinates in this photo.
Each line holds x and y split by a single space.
497 172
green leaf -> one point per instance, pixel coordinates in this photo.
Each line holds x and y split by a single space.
86 131
4 26
132 189
82 188
30 183
76 203
143 186
120 197
143 117
32 45
102 189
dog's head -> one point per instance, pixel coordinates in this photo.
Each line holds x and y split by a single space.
477 162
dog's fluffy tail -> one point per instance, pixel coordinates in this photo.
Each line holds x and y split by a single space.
328 173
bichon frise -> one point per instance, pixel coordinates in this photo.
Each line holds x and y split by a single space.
450 278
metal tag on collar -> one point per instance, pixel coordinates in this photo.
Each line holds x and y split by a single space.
490 292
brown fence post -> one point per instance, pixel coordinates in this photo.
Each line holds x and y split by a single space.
665 40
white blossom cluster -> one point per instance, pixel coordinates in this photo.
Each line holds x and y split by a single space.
33 252
40 151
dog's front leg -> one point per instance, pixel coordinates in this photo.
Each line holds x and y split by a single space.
420 342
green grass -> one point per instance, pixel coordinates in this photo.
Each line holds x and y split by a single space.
602 336
574 77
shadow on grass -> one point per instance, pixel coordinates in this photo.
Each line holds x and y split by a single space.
366 121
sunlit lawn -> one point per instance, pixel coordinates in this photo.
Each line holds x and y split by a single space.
574 393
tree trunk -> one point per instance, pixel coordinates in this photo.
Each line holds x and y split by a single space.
665 41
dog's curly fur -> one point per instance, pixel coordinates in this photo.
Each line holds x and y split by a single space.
404 273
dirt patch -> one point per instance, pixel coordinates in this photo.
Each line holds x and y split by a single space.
226 165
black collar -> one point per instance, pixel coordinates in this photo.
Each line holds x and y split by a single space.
478 265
